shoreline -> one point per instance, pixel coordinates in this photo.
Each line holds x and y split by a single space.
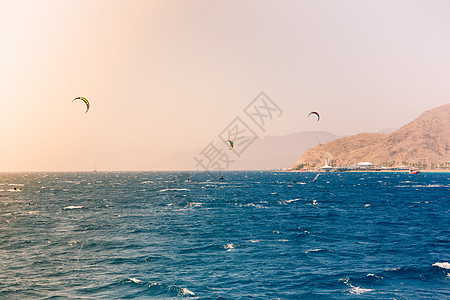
356 171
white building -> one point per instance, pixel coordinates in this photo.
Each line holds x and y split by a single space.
365 165
326 168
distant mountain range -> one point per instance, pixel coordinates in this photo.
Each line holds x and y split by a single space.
270 152
273 152
425 143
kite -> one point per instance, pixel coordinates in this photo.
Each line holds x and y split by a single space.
85 101
231 144
315 113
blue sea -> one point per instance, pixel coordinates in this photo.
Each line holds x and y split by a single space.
253 235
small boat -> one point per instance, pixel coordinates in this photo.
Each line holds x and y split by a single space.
413 171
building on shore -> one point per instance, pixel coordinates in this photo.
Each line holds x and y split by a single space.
365 165
326 168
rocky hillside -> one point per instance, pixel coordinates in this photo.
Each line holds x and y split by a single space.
425 142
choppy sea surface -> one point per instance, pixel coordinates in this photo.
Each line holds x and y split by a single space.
254 235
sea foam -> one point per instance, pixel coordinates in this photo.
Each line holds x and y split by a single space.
443 265
135 280
73 207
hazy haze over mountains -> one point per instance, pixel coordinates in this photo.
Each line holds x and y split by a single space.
270 152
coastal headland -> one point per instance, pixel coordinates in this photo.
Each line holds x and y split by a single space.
423 144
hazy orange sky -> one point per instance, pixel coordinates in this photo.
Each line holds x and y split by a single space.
169 76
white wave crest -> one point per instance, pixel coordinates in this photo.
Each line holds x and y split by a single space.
293 200
443 265
421 186
135 280
374 275
316 250
185 291
174 290
165 190
229 247
358 291
355 289
73 207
